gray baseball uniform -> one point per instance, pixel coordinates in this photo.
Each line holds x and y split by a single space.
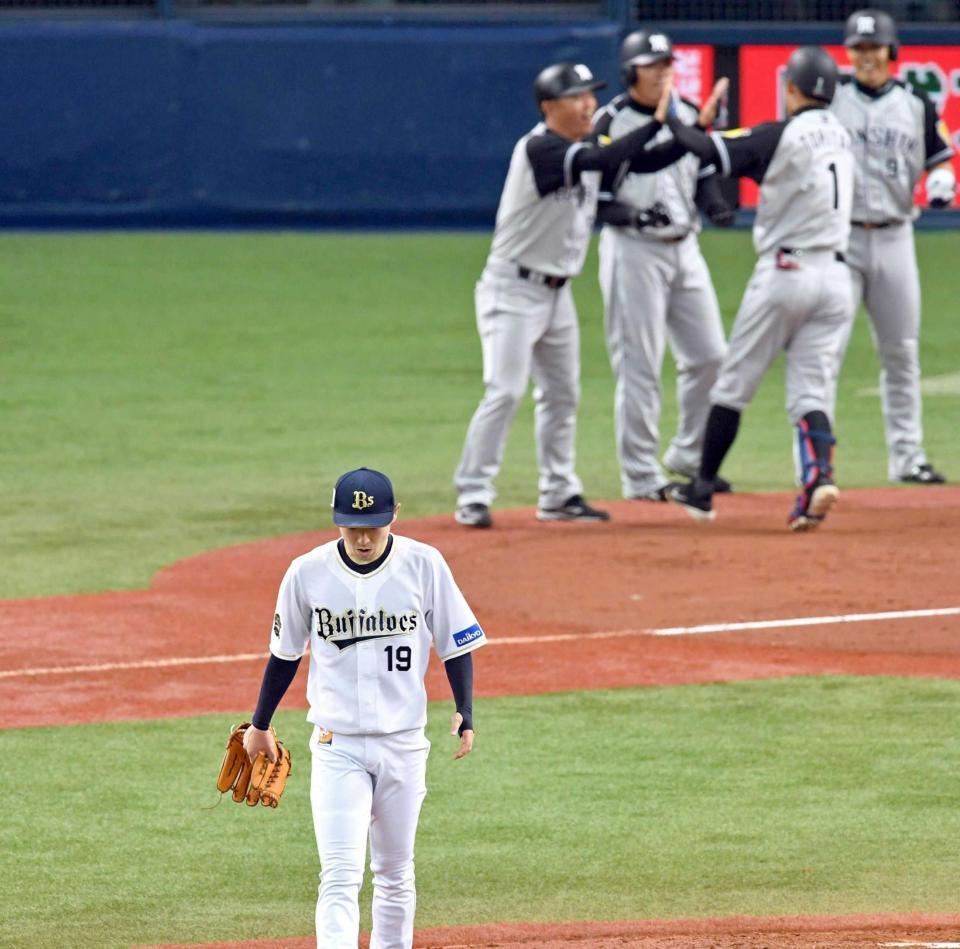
896 138
656 286
525 310
799 298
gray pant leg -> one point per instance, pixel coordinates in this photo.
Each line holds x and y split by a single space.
761 330
695 331
511 315
634 282
556 396
814 347
855 274
892 299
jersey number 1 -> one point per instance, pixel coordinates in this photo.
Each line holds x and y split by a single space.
398 658
836 189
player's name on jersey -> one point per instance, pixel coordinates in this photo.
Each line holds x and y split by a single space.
354 624
818 138
892 139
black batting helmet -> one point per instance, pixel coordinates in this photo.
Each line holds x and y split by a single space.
813 71
872 26
564 79
641 49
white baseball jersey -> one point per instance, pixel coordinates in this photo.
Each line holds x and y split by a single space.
896 136
546 212
370 634
804 167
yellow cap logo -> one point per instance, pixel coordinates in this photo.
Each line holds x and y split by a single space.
362 500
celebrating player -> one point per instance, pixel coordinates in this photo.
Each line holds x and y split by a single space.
369 607
654 280
897 136
799 299
525 311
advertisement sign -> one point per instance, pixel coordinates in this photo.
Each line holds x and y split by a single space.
934 69
693 72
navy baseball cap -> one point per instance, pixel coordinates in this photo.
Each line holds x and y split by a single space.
363 498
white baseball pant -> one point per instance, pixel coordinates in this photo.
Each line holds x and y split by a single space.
361 784
525 329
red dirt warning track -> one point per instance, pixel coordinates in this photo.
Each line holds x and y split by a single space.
566 606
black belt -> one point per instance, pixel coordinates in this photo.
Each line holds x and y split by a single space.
672 240
873 225
837 256
554 283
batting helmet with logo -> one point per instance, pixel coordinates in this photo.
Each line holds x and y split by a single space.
813 71
564 79
642 48
872 26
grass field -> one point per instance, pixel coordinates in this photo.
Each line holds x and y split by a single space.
811 796
165 394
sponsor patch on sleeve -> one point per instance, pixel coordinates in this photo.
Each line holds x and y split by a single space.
469 635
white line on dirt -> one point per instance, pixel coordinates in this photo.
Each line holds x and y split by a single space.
511 641
142 664
805 621
925 945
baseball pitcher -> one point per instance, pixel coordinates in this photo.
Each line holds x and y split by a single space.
370 607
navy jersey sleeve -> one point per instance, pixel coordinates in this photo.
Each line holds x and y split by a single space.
653 159
936 136
710 200
611 177
548 155
557 162
747 153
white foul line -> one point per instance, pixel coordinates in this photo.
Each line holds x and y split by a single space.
143 664
804 621
925 945
511 641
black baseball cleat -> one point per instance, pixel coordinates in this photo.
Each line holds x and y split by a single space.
573 509
654 494
699 505
720 485
473 515
812 505
923 474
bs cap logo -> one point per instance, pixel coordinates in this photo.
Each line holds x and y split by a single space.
363 498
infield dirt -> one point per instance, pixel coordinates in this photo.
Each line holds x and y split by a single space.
576 587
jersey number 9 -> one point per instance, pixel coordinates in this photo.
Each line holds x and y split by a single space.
398 658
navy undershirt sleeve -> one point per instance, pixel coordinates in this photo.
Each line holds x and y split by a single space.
460 675
276 680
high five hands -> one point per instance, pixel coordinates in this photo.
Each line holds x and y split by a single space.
708 112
